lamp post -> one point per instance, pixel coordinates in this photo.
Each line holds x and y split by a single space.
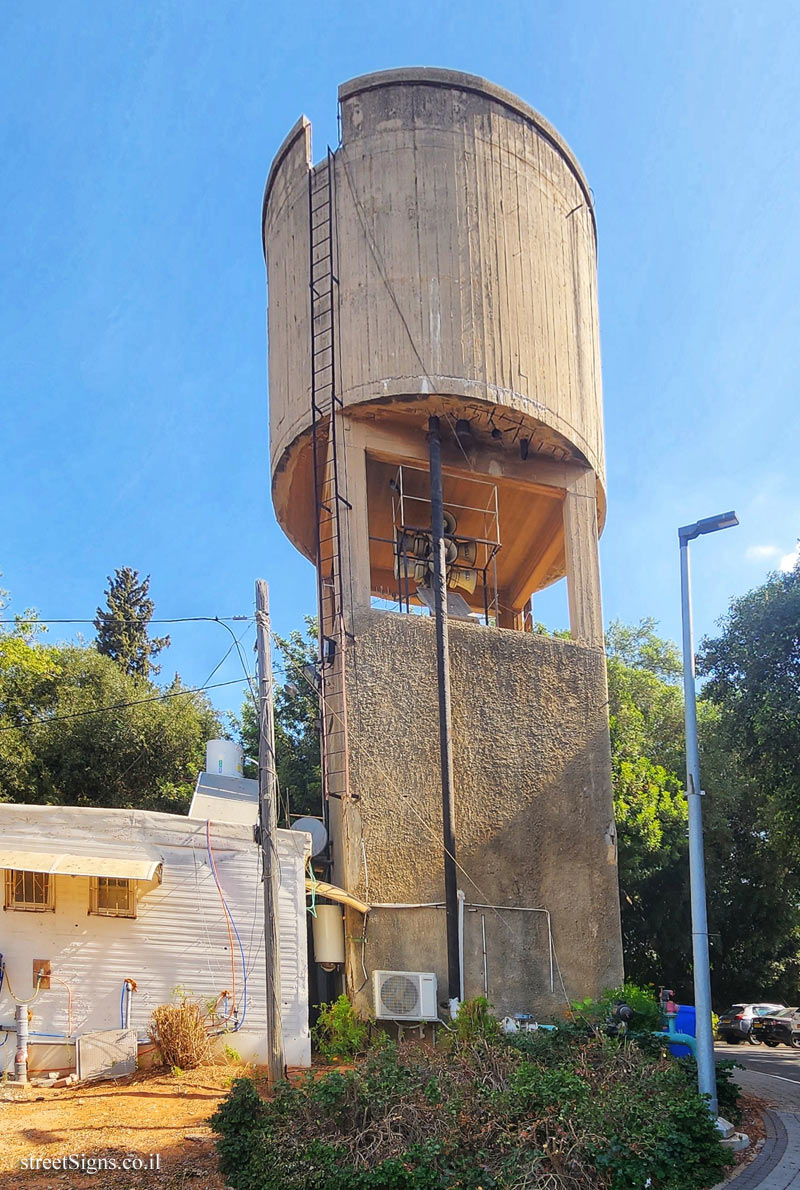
706 1076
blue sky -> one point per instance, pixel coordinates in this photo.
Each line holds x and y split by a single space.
136 139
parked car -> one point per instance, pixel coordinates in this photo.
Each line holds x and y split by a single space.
778 1028
736 1024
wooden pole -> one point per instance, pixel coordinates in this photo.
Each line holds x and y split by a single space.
267 819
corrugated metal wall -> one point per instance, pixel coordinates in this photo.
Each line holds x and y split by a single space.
178 942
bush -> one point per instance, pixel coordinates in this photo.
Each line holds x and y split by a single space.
642 999
474 1020
339 1032
179 1030
554 1111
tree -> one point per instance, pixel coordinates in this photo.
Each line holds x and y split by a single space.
28 672
145 755
638 647
122 632
754 937
76 729
297 749
753 671
646 725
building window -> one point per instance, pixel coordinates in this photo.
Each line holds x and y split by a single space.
110 896
30 891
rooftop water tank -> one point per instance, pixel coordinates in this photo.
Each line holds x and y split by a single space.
224 758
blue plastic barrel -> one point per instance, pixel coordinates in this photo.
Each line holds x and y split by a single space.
685 1022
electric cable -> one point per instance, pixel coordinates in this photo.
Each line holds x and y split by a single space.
131 620
229 918
118 706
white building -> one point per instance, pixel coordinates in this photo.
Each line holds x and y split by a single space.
107 898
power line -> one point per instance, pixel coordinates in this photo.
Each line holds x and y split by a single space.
118 706
34 619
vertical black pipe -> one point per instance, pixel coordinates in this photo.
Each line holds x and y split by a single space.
445 721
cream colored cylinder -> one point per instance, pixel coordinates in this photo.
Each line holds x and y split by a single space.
328 931
465 250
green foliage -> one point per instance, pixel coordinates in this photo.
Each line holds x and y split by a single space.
753 670
297 749
643 1001
474 1021
638 647
564 1111
122 632
728 1092
339 1032
752 864
55 748
29 672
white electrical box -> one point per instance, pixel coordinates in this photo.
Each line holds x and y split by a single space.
405 995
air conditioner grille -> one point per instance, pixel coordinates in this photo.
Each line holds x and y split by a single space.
400 995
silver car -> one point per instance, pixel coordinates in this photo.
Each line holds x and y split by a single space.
736 1023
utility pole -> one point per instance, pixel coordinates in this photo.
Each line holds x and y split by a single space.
267 828
445 718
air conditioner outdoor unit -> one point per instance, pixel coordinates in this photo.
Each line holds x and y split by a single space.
404 995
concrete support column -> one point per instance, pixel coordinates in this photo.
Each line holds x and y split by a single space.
583 561
354 521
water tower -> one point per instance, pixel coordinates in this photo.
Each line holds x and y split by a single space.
434 353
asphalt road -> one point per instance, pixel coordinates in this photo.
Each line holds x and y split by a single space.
781 1063
772 1074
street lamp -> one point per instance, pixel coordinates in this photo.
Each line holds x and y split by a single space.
706 1075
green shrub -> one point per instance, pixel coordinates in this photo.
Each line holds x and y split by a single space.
643 1001
474 1021
340 1033
559 1111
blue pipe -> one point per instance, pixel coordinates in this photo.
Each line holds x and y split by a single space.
12 1029
677 1038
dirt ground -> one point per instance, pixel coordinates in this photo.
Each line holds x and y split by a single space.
148 1113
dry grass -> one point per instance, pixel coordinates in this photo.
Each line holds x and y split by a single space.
180 1032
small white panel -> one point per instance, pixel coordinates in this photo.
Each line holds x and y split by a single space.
108 1054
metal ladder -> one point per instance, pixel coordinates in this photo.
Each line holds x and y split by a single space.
329 498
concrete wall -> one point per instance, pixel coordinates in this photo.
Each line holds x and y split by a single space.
534 818
178 938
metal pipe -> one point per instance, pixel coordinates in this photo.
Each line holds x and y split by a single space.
476 905
445 719
527 909
460 945
706 1070
21 1056
485 965
675 1037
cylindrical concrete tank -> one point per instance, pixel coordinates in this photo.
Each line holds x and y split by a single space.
464 246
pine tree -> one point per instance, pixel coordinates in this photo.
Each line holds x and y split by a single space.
122 628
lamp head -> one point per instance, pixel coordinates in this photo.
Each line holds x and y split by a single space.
710 524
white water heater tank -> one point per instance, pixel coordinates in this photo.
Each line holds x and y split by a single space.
224 758
328 930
